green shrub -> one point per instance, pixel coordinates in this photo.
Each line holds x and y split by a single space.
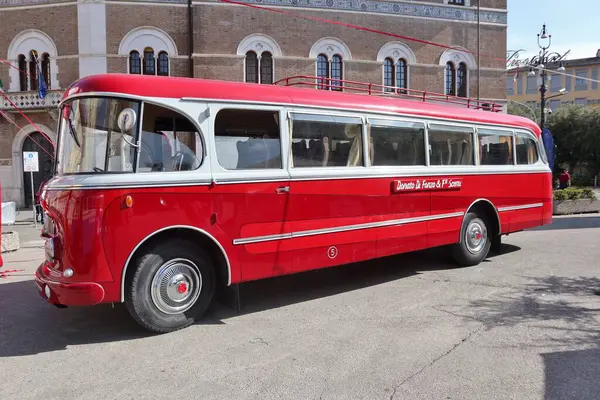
573 193
559 195
588 193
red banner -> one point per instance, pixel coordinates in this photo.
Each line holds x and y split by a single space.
420 184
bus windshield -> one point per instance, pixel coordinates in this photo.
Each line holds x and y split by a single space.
97 135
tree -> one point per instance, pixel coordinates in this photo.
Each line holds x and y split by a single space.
576 132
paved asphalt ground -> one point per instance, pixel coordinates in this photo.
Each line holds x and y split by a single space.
524 324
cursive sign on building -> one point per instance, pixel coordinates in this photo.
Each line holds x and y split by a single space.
513 60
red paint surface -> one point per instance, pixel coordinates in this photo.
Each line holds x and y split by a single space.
97 233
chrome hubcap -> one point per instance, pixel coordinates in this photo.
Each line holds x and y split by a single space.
176 286
476 236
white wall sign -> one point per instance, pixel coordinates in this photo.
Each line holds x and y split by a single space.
30 161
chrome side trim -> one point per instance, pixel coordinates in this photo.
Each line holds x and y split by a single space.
522 207
346 228
131 185
165 229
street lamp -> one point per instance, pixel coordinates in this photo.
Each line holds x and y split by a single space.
544 42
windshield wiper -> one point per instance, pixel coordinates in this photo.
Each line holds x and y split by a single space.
73 134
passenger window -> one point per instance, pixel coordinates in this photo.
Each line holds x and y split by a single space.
397 142
326 141
526 150
450 145
248 139
495 147
170 141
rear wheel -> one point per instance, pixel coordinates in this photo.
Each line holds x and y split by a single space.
171 287
474 244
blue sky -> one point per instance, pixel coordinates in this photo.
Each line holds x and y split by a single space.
573 24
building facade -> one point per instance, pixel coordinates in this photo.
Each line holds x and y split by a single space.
218 40
573 81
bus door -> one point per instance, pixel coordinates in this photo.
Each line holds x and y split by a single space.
250 191
331 198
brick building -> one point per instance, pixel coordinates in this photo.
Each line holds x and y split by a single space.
213 39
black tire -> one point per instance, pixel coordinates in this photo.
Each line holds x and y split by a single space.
163 259
467 255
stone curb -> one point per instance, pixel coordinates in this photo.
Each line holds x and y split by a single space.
10 241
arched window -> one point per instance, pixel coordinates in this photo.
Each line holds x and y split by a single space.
135 65
336 72
46 69
149 62
402 74
266 68
388 74
33 72
323 71
394 75
330 69
259 69
23 73
251 67
163 63
450 79
457 63
33 51
461 80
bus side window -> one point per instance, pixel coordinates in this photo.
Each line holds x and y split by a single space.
170 141
450 145
526 150
398 143
495 147
248 139
326 141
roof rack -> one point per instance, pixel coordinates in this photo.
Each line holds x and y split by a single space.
387 91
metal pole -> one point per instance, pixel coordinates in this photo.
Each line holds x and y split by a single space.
478 53
191 38
543 101
33 200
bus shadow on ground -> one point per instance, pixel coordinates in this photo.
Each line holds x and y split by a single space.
29 325
257 296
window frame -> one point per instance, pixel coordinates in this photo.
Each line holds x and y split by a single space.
496 131
538 147
456 126
324 114
181 114
391 122
224 175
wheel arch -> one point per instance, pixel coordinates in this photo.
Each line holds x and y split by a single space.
216 250
487 208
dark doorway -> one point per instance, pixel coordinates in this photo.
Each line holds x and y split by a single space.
45 164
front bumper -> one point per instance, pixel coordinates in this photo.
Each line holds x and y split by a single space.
67 294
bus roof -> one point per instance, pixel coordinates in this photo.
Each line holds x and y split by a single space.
179 87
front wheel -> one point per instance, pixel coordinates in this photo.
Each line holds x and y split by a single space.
474 244
171 287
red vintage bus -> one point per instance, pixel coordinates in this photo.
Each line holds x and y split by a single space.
167 187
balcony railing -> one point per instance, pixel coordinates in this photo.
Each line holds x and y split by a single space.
373 89
30 100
